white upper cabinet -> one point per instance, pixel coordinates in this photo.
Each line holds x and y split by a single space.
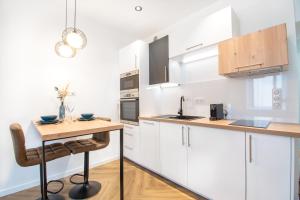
216 163
196 31
173 152
132 56
268 167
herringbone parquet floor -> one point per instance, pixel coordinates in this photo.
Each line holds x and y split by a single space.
139 185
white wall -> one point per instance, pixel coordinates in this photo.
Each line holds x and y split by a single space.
29 69
253 15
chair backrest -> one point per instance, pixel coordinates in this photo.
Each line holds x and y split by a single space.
104 136
19 143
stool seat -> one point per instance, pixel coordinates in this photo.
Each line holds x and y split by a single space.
85 145
52 151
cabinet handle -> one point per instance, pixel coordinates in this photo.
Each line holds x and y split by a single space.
182 136
127 147
149 123
189 138
128 127
192 47
166 74
247 66
250 149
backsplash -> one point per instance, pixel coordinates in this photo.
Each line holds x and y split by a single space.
246 97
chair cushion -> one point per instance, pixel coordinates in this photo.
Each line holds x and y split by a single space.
79 146
52 152
84 145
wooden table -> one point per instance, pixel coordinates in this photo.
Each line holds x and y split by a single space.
73 129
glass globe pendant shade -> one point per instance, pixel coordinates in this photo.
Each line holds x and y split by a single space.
64 50
74 38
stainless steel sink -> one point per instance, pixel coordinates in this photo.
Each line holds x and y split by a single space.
181 117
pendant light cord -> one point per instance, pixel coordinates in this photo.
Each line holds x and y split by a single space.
75 14
66 25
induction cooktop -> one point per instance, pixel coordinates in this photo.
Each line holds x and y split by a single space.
252 123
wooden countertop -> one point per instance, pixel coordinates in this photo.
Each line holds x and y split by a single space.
281 129
74 129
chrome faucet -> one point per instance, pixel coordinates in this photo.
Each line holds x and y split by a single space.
180 112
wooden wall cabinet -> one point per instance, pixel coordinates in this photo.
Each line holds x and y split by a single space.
260 52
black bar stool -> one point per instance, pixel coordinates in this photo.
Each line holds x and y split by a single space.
87 188
30 157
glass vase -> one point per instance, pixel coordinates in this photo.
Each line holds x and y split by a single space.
62 111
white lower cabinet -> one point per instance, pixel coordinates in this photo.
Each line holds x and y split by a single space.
268 167
216 163
173 152
131 142
149 145
219 164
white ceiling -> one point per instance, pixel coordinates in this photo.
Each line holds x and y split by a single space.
156 14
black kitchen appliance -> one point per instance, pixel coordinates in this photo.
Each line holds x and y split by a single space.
129 111
216 112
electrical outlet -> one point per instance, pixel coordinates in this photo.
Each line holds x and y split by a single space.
277 98
198 100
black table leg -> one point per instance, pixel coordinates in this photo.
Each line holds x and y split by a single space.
121 166
44 179
44 170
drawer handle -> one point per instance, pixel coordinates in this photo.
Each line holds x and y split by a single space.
149 123
129 127
192 47
129 134
127 147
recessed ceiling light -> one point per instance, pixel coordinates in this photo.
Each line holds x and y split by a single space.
138 8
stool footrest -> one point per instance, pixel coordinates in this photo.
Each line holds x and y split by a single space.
76 183
59 190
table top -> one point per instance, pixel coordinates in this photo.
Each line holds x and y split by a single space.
74 128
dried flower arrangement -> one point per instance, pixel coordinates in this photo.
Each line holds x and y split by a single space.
63 92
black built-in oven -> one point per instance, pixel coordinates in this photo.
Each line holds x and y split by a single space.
129 111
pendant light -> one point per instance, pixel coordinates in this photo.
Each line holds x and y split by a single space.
73 36
62 48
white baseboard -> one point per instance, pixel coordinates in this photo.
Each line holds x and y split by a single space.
24 186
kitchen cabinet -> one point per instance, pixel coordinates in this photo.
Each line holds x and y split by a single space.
159 61
131 142
173 152
132 56
149 145
216 163
259 52
268 167
196 31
